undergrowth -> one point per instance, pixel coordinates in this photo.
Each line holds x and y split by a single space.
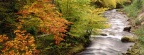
133 11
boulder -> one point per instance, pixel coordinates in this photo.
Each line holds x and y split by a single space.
128 29
128 39
103 34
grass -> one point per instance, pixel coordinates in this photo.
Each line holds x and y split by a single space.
133 12
140 32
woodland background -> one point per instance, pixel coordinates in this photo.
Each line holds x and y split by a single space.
57 27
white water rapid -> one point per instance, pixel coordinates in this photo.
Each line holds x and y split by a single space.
111 43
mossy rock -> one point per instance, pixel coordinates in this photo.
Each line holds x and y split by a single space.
128 39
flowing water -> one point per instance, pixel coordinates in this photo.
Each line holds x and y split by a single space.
110 44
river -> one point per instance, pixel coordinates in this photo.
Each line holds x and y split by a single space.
110 44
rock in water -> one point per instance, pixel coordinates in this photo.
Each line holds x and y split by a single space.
127 39
103 34
128 29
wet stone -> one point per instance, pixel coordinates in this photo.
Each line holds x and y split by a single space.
103 34
128 29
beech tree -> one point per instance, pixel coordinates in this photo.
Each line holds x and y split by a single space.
45 18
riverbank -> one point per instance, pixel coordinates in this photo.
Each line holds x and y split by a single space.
137 29
110 43
136 15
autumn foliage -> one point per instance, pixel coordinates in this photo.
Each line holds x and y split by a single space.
66 23
22 44
109 3
51 21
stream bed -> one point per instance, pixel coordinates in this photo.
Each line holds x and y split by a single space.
110 43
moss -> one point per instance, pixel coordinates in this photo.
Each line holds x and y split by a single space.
135 50
128 39
76 49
